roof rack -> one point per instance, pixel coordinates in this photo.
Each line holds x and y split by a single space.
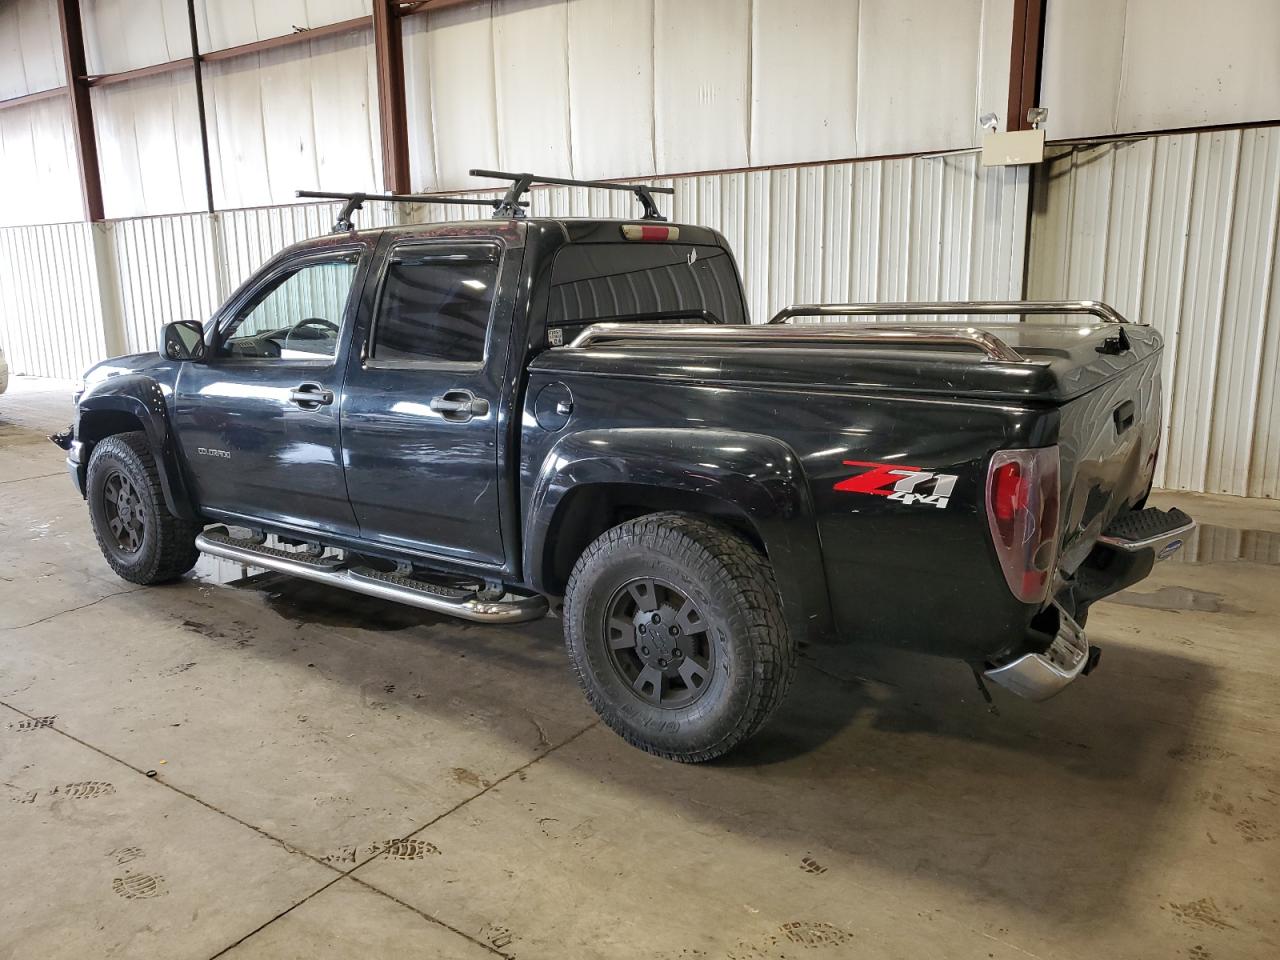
920 335
1104 312
356 201
521 182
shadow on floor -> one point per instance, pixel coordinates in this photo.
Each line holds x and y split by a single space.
889 758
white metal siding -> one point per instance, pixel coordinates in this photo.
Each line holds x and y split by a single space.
1181 232
1125 66
166 270
52 324
38 164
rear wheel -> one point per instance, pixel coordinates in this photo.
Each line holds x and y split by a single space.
141 540
676 633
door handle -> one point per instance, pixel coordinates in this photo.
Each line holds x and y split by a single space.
459 406
1123 416
310 396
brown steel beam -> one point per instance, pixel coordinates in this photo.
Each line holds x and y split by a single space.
33 97
401 9
301 36
81 107
198 72
1024 61
106 79
392 119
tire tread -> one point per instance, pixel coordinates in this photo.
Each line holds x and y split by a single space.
748 574
176 551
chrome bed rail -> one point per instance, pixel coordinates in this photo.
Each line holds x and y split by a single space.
1104 312
922 335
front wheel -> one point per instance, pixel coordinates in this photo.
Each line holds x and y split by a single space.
141 540
676 632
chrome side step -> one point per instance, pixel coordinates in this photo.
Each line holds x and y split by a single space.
417 593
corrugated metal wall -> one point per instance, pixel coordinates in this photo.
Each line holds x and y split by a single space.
51 320
1181 232
77 293
924 228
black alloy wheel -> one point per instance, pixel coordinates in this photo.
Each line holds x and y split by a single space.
122 509
658 643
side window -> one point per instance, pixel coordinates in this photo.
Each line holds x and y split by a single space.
436 302
298 316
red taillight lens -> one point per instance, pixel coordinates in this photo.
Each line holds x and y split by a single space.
1022 510
1008 495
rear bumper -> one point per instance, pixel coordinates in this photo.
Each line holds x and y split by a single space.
1122 556
1038 676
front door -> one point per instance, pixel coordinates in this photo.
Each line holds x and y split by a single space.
420 410
258 422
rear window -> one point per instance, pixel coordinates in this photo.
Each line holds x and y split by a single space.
679 282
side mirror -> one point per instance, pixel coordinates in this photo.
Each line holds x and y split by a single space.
182 340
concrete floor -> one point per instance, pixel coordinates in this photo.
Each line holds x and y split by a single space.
336 777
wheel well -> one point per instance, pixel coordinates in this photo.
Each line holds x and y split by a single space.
587 512
96 425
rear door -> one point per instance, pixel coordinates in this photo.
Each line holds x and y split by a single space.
420 424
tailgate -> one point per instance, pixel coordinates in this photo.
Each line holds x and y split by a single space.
1108 441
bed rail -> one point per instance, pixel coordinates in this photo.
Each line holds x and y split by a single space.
1104 312
984 340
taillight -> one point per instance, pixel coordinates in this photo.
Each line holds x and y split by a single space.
1022 510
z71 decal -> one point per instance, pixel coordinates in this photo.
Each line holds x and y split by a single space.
900 482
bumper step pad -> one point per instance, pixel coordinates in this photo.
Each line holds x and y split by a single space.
1146 524
1161 531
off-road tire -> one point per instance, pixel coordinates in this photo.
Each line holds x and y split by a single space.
733 583
168 547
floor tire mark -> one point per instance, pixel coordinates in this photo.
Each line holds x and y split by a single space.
140 886
86 789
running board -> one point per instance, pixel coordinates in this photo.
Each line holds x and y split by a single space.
388 586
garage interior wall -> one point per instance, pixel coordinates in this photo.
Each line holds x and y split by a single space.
699 94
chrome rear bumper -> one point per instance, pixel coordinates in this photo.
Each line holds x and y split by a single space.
1038 676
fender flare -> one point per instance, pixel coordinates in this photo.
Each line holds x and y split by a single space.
144 399
756 477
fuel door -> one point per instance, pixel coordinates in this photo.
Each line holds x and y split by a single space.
553 406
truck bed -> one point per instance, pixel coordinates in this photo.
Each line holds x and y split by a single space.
916 574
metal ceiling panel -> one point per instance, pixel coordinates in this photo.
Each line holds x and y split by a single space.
1124 66
30 48
149 145
533 104
804 80
122 35
36 151
917 75
611 87
701 71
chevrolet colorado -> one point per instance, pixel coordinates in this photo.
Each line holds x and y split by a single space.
487 417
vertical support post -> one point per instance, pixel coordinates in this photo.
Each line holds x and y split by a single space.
204 129
115 339
392 121
81 107
1024 61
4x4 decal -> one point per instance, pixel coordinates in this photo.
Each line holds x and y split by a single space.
898 481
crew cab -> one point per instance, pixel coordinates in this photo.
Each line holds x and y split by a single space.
498 417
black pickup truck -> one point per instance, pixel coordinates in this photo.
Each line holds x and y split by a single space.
490 418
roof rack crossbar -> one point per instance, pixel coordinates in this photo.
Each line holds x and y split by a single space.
521 182
1103 311
356 201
